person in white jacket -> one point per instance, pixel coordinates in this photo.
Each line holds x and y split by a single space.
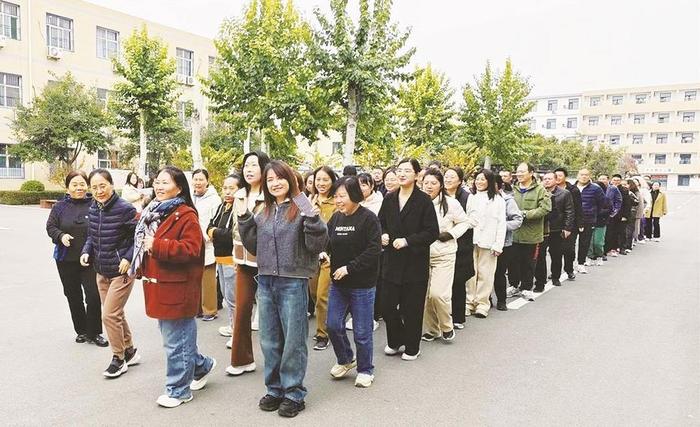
206 200
489 237
373 199
453 222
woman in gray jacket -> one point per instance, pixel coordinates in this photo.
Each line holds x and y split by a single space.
514 219
286 239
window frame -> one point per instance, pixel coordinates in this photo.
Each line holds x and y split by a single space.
594 101
688 116
615 98
572 101
70 31
683 180
637 139
683 156
17 18
181 61
662 138
615 120
640 98
6 166
690 95
614 139
3 90
657 157
665 116
687 138
107 42
554 124
665 96
568 122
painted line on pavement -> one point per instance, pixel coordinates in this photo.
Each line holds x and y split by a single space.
521 302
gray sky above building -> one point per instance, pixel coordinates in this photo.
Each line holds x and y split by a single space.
563 46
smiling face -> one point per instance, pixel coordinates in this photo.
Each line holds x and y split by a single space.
200 184
604 179
406 174
251 171
366 189
165 187
102 190
559 177
431 186
277 186
616 181
310 184
323 183
391 181
451 181
481 183
77 187
523 173
343 202
655 186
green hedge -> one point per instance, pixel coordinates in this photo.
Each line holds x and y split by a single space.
28 197
32 185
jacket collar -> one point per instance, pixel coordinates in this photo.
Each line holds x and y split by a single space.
108 204
409 203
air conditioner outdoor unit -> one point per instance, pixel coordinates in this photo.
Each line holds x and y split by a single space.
3 41
189 81
54 53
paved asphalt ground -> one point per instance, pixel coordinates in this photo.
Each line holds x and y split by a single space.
619 346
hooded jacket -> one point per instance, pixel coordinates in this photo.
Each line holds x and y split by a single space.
534 203
206 209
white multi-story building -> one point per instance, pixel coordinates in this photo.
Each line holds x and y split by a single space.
558 116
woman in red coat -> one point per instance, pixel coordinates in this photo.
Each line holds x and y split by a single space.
169 253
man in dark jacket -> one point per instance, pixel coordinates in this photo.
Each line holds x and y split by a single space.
611 232
569 248
623 217
561 223
592 202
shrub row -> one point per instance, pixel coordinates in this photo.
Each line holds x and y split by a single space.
28 197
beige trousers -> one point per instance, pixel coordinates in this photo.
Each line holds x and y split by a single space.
319 287
437 316
209 307
114 293
479 288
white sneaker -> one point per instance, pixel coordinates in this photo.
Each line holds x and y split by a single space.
255 326
588 263
391 352
235 371
599 262
375 325
339 371
512 291
459 325
364 380
348 324
171 402
643 242
225 331
200 383
409 358
527 295
582 269
657 239
229 343
613 254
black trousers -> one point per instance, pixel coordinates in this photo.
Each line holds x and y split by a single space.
622 235
523 266
584 242
612 233
541 264
557 244
403 305
503 264
464 270
652 228
569 251
629 235
76 279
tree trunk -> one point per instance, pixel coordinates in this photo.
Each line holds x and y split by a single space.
246 143
142 145
263 148
196 146
351 126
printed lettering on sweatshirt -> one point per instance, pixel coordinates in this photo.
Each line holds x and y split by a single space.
343 230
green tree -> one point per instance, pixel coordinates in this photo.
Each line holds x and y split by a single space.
144 102
426 111
263 77
494 115
359 63
549 153
63 121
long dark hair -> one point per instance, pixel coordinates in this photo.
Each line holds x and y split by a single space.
180 180
263 161
128 179
633 186
282 170
306 178
443 194
491 189
329 171
365 178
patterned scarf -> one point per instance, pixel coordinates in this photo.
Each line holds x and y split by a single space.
151 217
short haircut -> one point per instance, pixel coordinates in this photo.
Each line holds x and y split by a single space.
617 175
104 173
530 167
366 179
351 185
414 164
202 171
349 170
562 170
73 174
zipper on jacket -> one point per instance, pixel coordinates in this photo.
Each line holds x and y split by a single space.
274 239
99 238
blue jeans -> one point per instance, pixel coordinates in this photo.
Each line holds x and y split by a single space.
227 280
184 362
360 304
282 302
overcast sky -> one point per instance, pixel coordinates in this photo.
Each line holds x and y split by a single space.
563 46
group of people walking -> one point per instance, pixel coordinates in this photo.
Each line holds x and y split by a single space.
412 246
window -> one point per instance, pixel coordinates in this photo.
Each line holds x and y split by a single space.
182 114
617 100
686 138
690 95
59 32
552 105
185 62
640 98
688 116
573 104
9 20
662 138
103 96
615 120
595 100
571 122
659 159
614 139
683 180
663 117
551 123
106 159
591 138
10 166
637 158
10 90
684 159
533 124
107 43
593 121
664 96
638 119
637 139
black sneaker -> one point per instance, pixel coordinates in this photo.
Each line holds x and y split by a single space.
448 336
556 282
115 368
538 289
501 306
270 403
81 338
321 343
131 356
428 337
290 409
605 258
571 276
98 340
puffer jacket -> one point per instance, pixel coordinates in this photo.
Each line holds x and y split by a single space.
514 218
206 209
535 203
490 232
110 235
592 203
